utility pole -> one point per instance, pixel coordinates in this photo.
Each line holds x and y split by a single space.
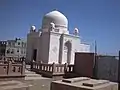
95 60
119 72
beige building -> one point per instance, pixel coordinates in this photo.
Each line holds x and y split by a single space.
16 48
53 42
13 48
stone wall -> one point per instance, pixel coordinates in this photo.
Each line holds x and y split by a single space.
84 64
10 70
107 68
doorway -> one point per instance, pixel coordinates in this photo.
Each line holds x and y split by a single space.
68 47
34 54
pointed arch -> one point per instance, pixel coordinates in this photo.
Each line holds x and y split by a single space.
68 47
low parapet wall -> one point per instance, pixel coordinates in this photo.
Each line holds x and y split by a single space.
52 70
9 70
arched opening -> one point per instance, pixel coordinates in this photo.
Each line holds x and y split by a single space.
34 54
68 48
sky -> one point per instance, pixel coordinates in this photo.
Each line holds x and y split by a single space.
97 20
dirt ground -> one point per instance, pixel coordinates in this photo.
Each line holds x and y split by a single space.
42 84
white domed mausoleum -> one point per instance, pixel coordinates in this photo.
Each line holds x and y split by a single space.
53 43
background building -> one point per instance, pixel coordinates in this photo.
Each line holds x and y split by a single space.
2 48
13 48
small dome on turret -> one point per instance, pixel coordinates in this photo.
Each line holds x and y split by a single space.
76 31
33 28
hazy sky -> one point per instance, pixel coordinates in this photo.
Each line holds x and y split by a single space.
96 19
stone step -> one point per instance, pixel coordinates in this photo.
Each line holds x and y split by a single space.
33 75
28 66
29 72
34 78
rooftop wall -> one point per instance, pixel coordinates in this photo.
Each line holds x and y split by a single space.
84 64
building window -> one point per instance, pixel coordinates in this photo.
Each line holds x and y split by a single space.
3 43
9 43
18 43
24 51
21 51
2 50
13 44
12 51
18 50
22 44
8 51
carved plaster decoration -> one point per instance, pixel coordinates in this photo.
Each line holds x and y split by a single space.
65 39
52 26
65 48
54 49
75 50
56 30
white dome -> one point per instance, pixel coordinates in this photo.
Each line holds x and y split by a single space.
55 17
33 27
76 31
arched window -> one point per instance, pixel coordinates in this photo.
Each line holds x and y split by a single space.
18 43
12 51
21 51
22 44
25 44
8 51
18 50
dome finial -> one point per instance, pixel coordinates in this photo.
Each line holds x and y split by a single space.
32 28
76 31
55 9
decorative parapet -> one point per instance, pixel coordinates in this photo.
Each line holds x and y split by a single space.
51 69
8 69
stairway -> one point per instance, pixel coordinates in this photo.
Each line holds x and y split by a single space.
30 75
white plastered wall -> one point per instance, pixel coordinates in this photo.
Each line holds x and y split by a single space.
32 43
54 47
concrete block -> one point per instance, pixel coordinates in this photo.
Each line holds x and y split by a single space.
83 83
